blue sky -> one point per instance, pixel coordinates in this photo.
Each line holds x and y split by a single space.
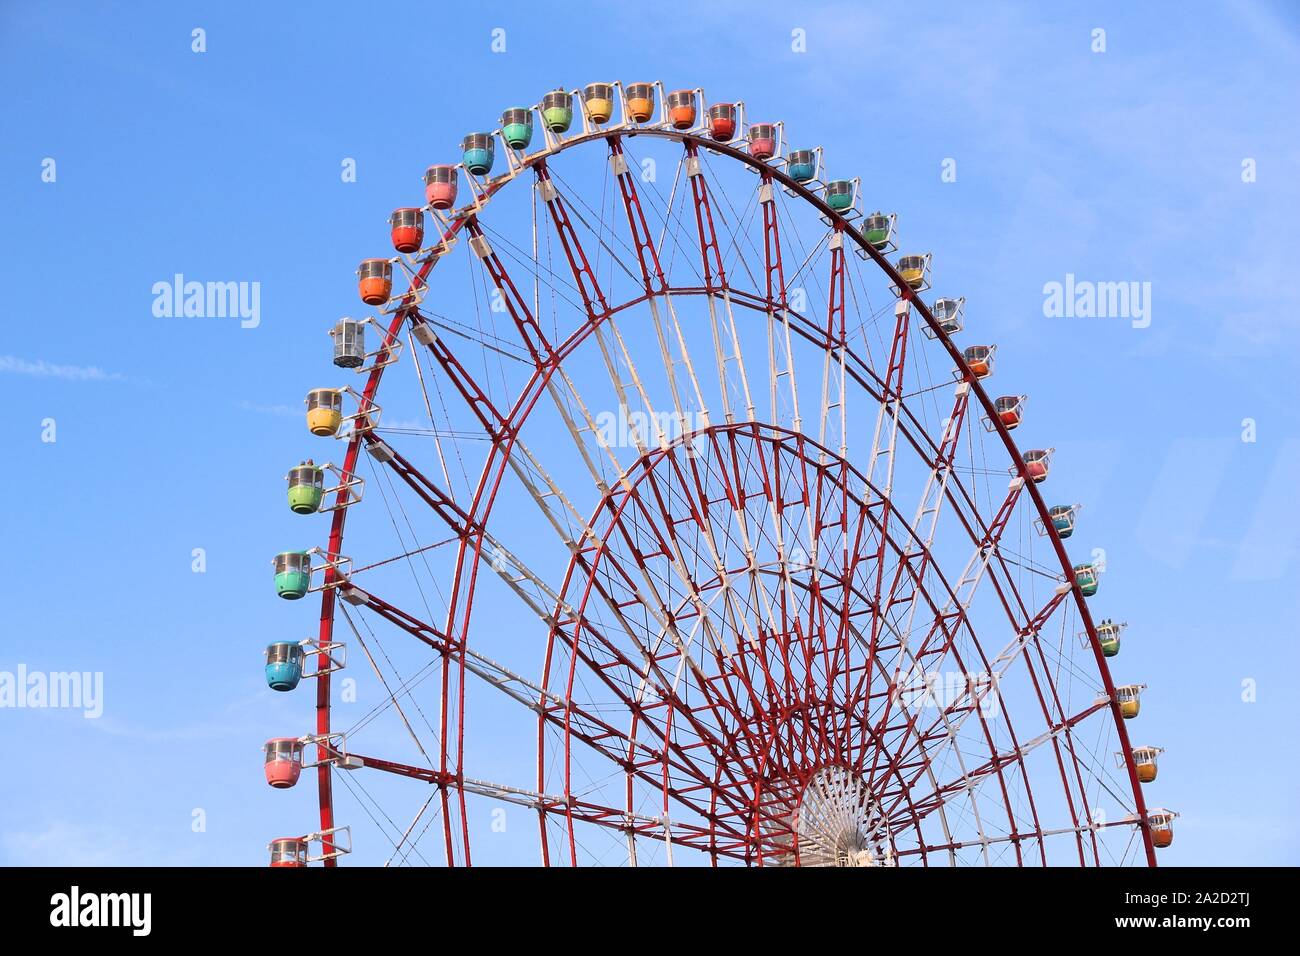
172 434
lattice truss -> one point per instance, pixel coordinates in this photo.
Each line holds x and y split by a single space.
687 538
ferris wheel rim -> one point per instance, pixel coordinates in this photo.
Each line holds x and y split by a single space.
404 312
947 593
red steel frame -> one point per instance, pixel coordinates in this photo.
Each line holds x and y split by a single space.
503 428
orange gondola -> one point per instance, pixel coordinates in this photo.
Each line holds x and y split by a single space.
681 108
375 281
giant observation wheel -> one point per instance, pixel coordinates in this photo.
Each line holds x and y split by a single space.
683 530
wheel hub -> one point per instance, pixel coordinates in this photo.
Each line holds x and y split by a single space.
837 823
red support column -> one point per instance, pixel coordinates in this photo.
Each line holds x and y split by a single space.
534 338
652 274
704 224
588 287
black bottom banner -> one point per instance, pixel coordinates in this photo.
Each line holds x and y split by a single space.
559 907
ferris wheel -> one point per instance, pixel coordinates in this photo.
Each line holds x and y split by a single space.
686 529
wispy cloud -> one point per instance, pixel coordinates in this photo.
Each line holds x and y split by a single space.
282 410
70 373
63 843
